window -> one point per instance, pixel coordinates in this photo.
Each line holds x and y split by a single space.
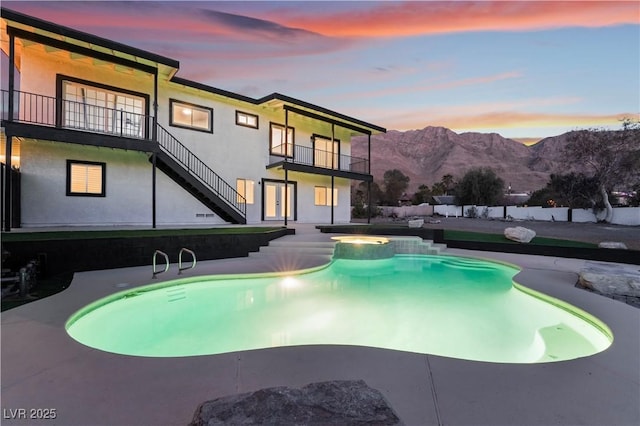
102 109
277 142
246 119
190 116
86 178
323 196
325 154
245 189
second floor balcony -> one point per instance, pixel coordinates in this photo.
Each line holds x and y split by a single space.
123 126
312 160
40 116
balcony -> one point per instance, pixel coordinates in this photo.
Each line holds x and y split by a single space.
45 117
309 160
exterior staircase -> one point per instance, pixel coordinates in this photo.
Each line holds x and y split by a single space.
187 170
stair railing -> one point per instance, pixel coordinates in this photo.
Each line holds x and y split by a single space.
200 170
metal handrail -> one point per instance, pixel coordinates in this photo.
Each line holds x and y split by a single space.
324 159
166 259
172 146
193 258
57 112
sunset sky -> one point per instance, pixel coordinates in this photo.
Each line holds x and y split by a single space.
522 69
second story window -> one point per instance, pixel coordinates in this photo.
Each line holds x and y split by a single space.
277 144
190 116
326 152
247 120
101 109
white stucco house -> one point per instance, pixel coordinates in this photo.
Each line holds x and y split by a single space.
99 133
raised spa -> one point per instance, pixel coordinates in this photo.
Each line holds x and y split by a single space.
363 248
443 305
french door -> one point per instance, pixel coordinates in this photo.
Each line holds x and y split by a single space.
274 201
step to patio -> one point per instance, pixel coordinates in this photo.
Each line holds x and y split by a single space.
325 250
296 248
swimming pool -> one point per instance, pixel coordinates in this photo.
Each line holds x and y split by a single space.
442 305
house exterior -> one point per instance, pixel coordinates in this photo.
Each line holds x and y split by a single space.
97 133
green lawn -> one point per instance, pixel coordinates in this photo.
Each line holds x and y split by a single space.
456 235
500 238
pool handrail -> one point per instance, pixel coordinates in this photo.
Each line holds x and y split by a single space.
166 259
193 257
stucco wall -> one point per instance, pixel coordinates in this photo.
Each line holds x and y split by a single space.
539 213
128 190
308 212
232 151
39 71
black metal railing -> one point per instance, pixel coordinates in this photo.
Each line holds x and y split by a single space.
325 159
50 111
200 170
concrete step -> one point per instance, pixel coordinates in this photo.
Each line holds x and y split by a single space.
299 250
302 244
325 249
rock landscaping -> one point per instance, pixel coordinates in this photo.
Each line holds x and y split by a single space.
620 282
520 234
340 402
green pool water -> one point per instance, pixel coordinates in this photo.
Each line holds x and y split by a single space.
442 305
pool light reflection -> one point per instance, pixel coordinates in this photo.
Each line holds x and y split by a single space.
361 239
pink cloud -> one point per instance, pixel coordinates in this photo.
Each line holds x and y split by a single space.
396 19
195 27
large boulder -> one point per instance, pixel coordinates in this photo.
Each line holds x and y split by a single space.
611 279
613 245
341 402
415 223
520 234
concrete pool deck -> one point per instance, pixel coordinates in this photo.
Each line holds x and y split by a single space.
43 368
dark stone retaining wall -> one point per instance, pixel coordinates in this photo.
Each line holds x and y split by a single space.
62 256
601 254
437 235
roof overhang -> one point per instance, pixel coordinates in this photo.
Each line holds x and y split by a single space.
58 36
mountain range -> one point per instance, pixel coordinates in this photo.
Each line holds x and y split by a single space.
428 154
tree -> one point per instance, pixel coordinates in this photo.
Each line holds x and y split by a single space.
361 194
634 201
443 187
448 183
545 197
438 188
423 195
612 158
575 189
395 183
479 186
360 199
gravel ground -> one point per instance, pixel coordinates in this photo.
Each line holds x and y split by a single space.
587 232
